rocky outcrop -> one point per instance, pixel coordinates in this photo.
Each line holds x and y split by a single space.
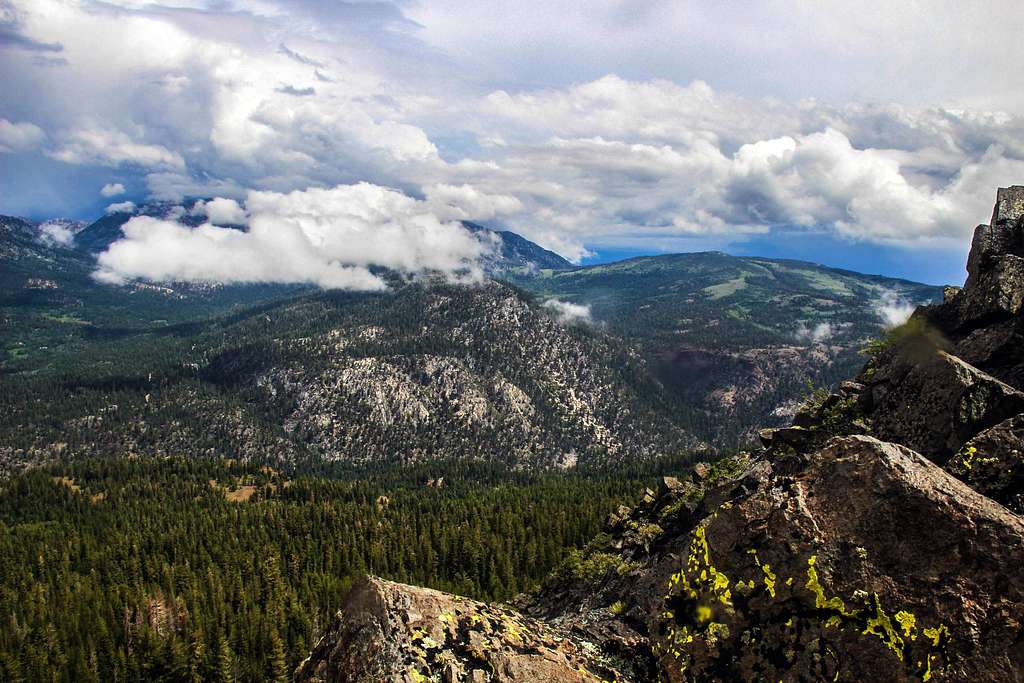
991 463
933 402
868 563
983 322
878 537
390 632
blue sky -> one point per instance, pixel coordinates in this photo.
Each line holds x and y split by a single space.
633 127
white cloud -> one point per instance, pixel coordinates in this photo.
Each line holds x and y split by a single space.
112 189
121 207
327 237
873 50
464 201
220 211
622 158
56 233
105 147
816 335
19 137
893 310
569 313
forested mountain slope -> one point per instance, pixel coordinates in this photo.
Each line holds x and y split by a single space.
186 570
737 338
424 372
734 341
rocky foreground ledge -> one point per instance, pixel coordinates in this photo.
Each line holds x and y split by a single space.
393 632
879 538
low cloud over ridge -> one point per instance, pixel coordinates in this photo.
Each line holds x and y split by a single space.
326 237
569 313
893 310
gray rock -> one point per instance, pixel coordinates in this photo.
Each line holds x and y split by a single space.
1009 204
390 632
1004 235
852 558
934 402
992 463
995 292
669 485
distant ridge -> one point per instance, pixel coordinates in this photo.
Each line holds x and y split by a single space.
519 252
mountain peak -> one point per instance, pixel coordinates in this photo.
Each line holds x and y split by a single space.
1009 204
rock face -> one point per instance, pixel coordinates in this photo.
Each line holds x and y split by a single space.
877 538
392 632
934 404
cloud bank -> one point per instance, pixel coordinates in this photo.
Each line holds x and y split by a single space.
326 237
460 107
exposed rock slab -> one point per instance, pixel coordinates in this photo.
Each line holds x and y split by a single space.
992 463
862 561
391 632
933 402
852 567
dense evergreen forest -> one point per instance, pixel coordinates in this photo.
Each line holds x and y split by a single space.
197 570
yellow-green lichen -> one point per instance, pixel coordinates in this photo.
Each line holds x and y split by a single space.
880 625
908 622
766 569
820 601
704 588
699 605
970 458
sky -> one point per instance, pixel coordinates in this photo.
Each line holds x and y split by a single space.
869 136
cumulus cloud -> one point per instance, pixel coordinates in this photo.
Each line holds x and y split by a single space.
19 137
569 313
112 189
220 211
892 309
104 147
654 158
328 237
463 202
121 207
816 335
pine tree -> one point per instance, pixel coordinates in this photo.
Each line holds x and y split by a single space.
277 668
225 670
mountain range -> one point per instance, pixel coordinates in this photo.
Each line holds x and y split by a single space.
670 352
